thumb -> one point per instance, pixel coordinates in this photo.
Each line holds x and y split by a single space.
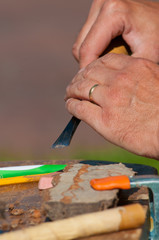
105 28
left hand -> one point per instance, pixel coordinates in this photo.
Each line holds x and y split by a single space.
126 109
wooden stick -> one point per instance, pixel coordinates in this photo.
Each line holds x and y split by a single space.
111 220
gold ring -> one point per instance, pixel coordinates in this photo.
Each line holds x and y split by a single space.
91 91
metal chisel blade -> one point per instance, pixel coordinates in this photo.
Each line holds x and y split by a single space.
65 138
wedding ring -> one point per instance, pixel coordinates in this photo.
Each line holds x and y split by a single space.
91 91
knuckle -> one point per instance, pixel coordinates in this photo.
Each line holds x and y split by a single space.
114 5
75 51
79 86
124 135
84 49
80 109
67 89
75 108
108 57
68 104
76 78
87 72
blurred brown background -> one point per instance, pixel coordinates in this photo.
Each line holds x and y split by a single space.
36 64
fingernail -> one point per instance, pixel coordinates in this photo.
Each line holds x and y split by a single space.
81 70
65 98
68 100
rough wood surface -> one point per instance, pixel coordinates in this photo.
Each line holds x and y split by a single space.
72 194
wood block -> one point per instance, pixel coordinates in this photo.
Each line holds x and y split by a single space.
72 194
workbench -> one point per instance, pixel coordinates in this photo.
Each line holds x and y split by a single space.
22 205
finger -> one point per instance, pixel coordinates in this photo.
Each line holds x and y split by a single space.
115 61
99 95
80 89
112 61
99 70
83 82
108 25
94 11
102 71
90 91
86 111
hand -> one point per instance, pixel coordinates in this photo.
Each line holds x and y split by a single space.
137 22
126 109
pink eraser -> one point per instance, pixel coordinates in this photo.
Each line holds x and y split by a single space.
45 181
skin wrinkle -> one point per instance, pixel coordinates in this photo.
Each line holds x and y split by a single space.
133 97
154 76
114 6
107 118
96 119
113 63
125 135
106 65
122 29
83 51
88 72
126 28
147 121
80 108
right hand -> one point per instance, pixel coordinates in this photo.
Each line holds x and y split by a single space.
126 109
136 20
